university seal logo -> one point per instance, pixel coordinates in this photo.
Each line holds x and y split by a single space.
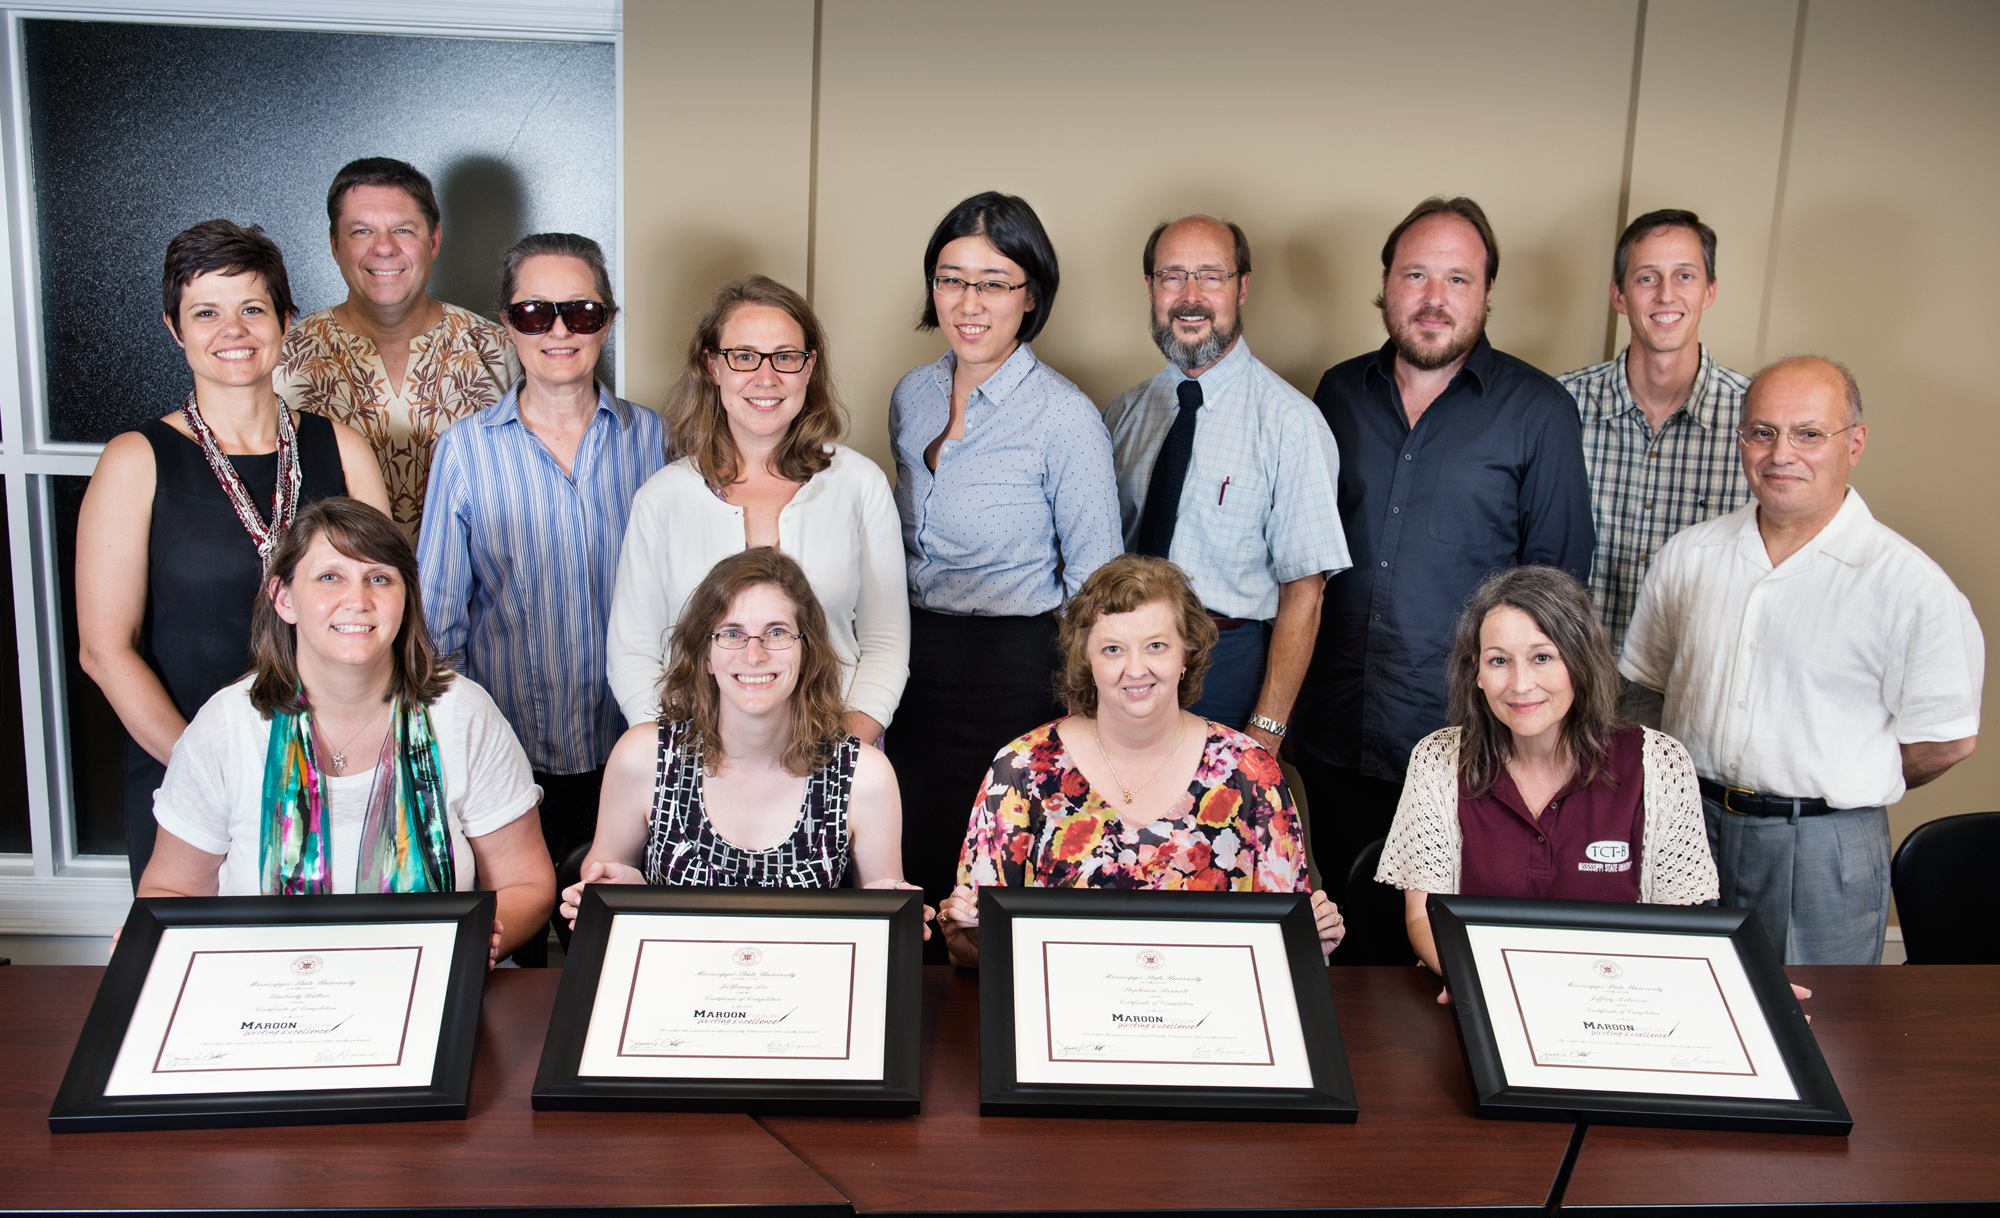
1152 957
1607 969
746 956
306 966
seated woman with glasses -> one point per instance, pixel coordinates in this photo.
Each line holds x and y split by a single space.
523 521
1537 789
1008 498
1131 790
350 759
750 778
753 421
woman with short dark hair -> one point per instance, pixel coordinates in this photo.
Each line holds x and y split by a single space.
750 777
350 759
1131 790
1008 499
183 512
1537 789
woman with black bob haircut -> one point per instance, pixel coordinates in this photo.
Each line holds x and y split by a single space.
351 759
1008 501
184 510
1538 789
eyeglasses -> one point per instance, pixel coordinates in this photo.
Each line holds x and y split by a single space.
743 359
1804 439
1208 281
777 638
952 286
539 316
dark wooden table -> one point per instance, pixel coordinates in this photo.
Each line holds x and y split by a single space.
1416 1143
1916 1052
504 1155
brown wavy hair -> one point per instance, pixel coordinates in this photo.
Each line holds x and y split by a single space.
364 534
1120 586
1561 609
688 691
698 427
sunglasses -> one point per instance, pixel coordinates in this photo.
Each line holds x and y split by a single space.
539 316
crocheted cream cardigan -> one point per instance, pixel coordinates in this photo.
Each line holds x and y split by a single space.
1425 842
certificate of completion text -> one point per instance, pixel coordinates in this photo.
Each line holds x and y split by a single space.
1626 1011
701 996
287 1009
1155 1002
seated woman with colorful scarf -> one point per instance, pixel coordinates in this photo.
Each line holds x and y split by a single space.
350 759
750 777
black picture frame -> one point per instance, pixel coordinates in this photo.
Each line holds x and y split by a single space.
1818 1110
559 1084
1002 1093
82 1107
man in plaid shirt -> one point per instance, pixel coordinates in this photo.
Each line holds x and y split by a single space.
1659 421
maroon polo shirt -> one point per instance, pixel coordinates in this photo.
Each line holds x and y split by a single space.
1585 847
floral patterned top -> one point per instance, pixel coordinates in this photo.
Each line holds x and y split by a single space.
461 365
1039 823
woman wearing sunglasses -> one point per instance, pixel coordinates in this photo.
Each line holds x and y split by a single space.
751 777
1009 501
523 522
754 420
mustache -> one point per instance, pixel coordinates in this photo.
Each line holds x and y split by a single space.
1191 309
1434 313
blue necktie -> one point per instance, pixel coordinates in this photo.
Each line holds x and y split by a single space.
1163 493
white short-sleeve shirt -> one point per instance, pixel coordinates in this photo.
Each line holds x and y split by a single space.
213 795
1805 679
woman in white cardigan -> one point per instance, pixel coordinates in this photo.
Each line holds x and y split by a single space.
754 420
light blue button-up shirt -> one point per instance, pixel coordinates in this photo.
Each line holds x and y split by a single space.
1260 506
518 559
1029 488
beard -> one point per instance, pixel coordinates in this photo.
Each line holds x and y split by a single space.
1428 359
1202 352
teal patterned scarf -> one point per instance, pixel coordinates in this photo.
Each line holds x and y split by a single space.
405 840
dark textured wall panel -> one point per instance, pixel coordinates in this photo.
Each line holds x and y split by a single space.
138 131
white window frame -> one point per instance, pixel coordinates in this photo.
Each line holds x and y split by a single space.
53 889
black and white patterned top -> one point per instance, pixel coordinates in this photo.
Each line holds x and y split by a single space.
683 848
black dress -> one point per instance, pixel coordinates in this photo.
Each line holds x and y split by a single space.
203 577
683 848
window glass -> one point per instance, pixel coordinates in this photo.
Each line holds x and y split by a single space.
13 752
96 738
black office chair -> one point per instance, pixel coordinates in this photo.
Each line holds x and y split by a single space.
1374 914
1946 876
568 872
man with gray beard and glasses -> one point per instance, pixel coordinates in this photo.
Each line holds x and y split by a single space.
1460 461
1228 472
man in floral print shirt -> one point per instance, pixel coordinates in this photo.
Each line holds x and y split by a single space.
389 361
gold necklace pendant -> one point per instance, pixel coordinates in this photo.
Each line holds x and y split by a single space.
1128 795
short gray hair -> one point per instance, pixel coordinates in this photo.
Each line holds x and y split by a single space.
563 245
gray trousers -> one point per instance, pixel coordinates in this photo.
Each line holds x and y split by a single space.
1819 884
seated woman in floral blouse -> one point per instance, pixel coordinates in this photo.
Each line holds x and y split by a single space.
1130 790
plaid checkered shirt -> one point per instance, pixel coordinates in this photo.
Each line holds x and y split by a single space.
1645 486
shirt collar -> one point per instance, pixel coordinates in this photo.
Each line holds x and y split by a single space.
1005 379
1700 406
1846 538
1220 375
508 408
1479 365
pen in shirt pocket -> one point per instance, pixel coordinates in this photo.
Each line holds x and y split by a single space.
1224 491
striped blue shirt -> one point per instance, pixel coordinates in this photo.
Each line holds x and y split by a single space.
518 559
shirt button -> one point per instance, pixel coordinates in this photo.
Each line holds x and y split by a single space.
1645 558
1742 706
1395 511
1378 617
1649 507
1385 562
1753 644
1540 838
1406 456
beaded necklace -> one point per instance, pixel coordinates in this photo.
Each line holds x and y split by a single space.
284 502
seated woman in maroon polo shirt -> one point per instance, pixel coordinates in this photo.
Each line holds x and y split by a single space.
1537 789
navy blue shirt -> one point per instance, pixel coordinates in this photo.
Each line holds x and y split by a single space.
1491 477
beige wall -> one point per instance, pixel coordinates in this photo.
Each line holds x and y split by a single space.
1316 125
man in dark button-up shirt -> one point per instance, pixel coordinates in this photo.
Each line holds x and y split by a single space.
1456 460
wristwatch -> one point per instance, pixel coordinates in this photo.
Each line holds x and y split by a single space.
1270 725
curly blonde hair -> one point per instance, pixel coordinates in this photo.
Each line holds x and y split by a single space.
1122 585
688 691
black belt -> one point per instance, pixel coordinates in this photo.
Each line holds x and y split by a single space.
1750 803
1229 623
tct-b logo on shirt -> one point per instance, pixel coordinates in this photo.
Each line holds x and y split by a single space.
1607 856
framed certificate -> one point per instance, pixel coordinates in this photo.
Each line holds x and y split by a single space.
1099 1002
220 1011
1613 1014
739 1000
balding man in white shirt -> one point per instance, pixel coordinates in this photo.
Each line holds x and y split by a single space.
1815 663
